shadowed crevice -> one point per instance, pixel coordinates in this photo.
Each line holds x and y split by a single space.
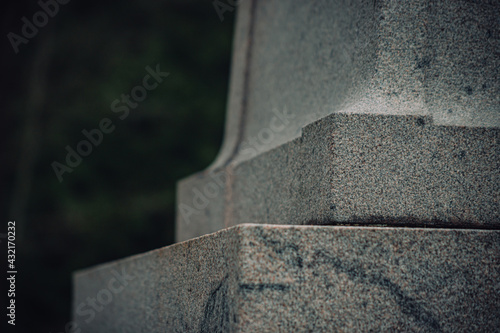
404 222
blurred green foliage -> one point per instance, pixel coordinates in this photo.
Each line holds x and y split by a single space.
121 199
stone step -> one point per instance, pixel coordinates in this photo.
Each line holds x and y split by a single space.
285 278
356 169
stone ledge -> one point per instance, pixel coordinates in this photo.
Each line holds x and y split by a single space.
270 278
354 169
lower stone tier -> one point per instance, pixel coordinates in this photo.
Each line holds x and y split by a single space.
269 278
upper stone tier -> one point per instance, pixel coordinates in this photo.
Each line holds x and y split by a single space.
314 58
389 64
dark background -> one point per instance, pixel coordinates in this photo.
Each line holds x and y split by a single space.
121 199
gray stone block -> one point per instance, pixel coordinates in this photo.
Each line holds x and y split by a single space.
387 62
268 278
362 170
438 59
367 121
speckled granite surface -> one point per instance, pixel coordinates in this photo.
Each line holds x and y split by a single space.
387 63
358 170
354 112
268 278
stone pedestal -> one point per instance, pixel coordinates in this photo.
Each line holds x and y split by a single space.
362 143
258 278
356 111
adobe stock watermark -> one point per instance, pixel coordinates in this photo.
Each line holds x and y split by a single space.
250 148
266 135
93 305
122 106
223 6
29 30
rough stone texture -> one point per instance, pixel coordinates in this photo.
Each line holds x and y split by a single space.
298 62
186 287
359 169
384 57
354 113
266 278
